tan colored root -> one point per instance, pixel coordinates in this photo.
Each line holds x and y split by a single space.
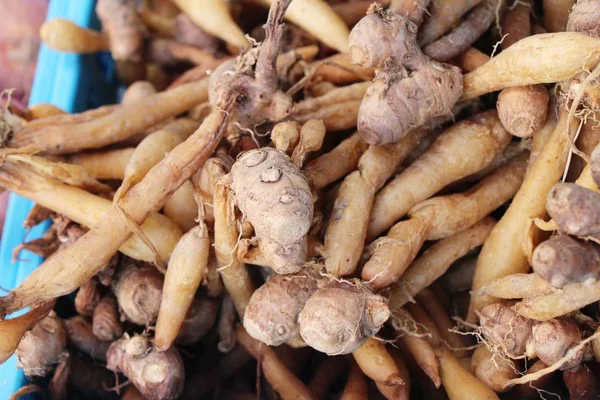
137 91
502 254
414 337
425 177
312 134
570 298
233 272
355 91
432 306
285 136
436 260
277 374
337 116
518 286
339 162
451 214
112 128
545 63
339 70
105 164
88 209
347 228
84 259
376 363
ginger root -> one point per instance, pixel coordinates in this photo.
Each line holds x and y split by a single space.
409 89
562 260
275 322
138 291
275 197
338 319
124 28
157 375
41 348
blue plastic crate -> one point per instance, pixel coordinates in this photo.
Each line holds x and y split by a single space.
74 83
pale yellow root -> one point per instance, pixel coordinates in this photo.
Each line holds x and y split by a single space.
317 18
447 160
471 59
493 370
355 91
137 91
187 266
106 164
556 14
123 122
285 136
443 16
518 286
417 344
376 362
436 260
356 385
213 16
87 209
275 372
390 255
63 35
586 180
233 272
432 306
62 118
347 227
312 134
451 214
12 330
458 382
152 149
569 298
206 181
339 162
502 253
71 267
551 57
336 116
181 207
69 174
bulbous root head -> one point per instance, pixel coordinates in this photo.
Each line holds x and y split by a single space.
584 18
399 101
138 291
523 110
41 348
272 313
562 260
276 198
552 339
339 319
157 375
504 329
409 89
